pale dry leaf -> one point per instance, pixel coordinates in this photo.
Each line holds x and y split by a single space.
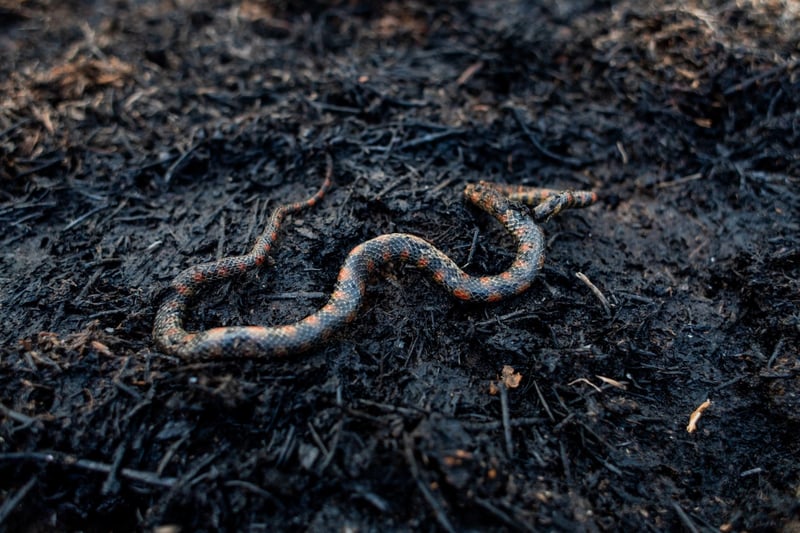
511 379
695 416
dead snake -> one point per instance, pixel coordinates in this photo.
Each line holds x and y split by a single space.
365 259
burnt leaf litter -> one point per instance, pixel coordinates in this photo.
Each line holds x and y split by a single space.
139 138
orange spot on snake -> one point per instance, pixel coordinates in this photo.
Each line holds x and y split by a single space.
182 290
290 331
462 294
345 274
494 297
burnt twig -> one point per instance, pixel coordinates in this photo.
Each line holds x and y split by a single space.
436 505
149 478
571 161
13 500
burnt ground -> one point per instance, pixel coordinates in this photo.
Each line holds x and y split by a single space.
139 138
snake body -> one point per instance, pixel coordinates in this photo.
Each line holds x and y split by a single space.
362 261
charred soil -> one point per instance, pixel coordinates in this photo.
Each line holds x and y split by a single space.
139 138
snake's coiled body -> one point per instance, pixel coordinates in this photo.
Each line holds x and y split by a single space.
363 260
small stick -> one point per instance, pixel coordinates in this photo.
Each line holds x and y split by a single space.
544 402
19 417
500 318
744 84
571 161
696 414
84 217
332 448
221 240
751 472
600 296
622 152
317 439
111 484
775 353
494 424
680 181
94 466
438 509
469 72
584 380
255 489
687 522
162 464
174 167
506 418
295 295
472 247
430 138
14 499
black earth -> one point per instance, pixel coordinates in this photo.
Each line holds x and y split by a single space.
138 138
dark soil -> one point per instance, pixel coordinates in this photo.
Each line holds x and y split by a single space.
138 138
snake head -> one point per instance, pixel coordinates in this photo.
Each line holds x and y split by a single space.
488 198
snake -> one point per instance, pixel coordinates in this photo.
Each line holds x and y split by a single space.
506 203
